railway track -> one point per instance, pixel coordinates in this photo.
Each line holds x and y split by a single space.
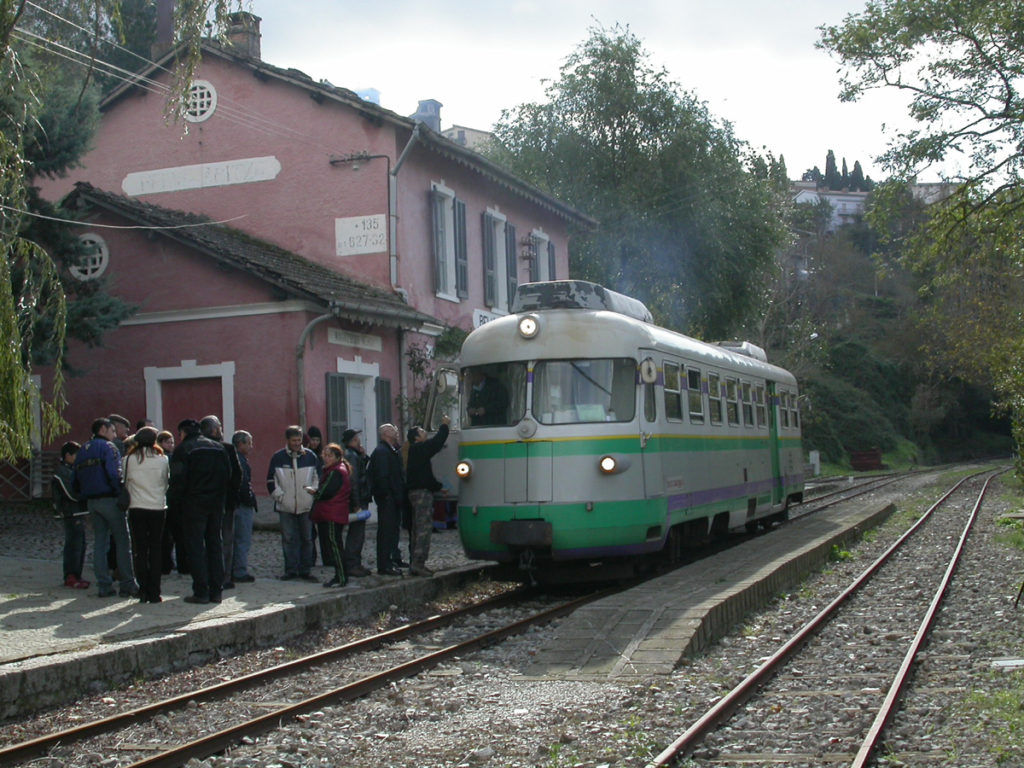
244 707
850 664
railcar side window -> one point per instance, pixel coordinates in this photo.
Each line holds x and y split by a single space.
581 391
493 395
694 396
732 406
762 417
673 405
650 403
714 398
784 409
748 405
795 412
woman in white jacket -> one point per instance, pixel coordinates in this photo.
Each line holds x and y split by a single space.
146 474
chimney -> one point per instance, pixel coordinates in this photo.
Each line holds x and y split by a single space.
244 33
164 29
429 113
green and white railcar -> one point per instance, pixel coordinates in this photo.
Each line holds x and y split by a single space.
591 435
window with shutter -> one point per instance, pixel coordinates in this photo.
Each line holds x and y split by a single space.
534 260
551 261
541 256
449 242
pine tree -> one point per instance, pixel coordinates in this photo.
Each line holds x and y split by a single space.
832 178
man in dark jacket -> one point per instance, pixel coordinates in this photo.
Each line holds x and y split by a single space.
200 480
96 477
387 482
211 427
420 480
355 454
245 512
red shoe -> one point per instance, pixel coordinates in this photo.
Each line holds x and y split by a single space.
75 583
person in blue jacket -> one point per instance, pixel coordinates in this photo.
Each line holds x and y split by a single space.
96 477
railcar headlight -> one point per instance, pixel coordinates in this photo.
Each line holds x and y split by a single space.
463 470
613 465
529 326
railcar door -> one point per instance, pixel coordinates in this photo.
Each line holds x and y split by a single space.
650 442
773 440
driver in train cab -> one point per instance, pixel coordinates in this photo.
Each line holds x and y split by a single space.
488 400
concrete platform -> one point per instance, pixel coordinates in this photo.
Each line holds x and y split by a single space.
648 630
57 642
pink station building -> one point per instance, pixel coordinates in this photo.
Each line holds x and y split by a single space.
286 250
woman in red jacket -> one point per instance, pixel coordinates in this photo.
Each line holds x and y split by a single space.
334 500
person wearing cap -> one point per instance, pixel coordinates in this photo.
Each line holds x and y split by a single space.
356 456
421 484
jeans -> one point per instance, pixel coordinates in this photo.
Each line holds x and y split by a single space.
74 546
110 522
296 543
244 517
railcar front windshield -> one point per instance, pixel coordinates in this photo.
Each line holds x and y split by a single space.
580 391
493 395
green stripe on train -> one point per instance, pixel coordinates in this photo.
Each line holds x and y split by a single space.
626 444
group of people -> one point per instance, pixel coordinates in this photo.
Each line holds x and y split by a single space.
330 494
156 504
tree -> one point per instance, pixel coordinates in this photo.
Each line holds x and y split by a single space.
959 62
832 179
684 219
813 174
857 181
47 113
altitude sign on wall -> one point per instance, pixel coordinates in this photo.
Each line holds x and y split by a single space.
361 234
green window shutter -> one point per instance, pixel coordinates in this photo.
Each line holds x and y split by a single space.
337 407
382 389
510 263
551 260
461 257
437 206
490 267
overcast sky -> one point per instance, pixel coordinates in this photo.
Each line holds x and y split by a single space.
753 62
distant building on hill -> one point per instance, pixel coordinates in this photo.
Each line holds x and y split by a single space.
848 207
470 138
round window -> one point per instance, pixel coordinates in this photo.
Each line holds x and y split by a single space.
202 101
95 256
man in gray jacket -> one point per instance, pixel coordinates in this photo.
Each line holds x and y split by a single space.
292 471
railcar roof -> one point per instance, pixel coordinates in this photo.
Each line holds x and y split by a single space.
581 333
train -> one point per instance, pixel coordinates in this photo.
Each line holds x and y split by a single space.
594 443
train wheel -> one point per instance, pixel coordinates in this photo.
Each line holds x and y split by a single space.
674 543
782 516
